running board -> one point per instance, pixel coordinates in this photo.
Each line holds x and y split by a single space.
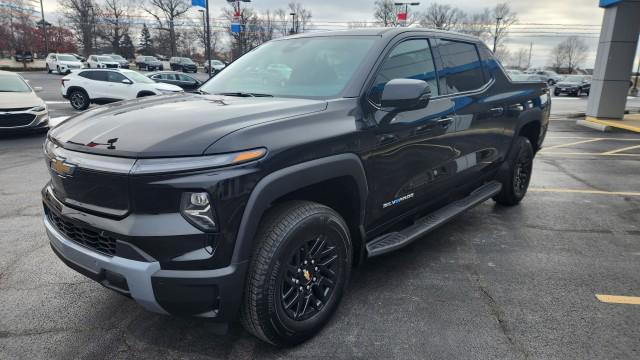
395 240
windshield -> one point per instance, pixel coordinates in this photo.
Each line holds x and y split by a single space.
150 58
573 78
66 58
104 58
13 83
303 67
137 77
186 61
216 62
116 57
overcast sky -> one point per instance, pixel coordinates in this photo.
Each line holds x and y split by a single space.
570 12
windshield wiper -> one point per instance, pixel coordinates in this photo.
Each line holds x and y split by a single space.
244 94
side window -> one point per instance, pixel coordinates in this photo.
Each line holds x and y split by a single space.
410 59
115 77
85 74
184 78
461 67
96 75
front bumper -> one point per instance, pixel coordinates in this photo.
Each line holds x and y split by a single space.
213 294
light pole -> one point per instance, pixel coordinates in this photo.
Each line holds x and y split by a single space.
406 9
495 36
44 30
293 23
205 32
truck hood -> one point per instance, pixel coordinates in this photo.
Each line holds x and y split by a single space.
171 125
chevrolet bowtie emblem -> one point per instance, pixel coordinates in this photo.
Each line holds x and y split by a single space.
306 274
62 167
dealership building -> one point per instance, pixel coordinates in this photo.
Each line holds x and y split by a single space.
614 62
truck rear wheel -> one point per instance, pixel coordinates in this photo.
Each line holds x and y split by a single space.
516 173
298 272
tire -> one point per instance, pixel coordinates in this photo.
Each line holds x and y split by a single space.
515 174
79 99
556 93
58 70
288 234
48 69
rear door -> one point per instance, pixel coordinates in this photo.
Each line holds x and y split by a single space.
118 89
411 161
478 129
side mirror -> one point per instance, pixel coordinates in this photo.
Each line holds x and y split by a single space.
127 81
405 94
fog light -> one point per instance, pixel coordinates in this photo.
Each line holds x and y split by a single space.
196 209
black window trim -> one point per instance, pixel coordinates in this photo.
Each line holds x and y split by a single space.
487 84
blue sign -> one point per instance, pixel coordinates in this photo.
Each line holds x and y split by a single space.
607 3
200 3
235 28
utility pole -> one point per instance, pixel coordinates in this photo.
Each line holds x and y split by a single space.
208 37
530 50
406 10
294 29
44 30
495 36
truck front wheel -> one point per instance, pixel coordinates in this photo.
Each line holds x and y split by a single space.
298 272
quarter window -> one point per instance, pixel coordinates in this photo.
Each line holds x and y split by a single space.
461 67
411 59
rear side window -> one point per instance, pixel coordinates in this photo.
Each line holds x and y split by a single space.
94 75
410 59
489 63
461 67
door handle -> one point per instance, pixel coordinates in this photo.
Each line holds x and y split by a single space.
445 123
497 110
387 138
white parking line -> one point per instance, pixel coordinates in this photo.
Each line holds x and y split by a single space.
56 102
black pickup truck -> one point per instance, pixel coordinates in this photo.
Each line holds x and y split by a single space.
254 198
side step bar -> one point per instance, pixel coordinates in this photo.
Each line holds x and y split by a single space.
395 240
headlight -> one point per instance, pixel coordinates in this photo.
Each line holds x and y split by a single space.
39 108
195 207
167 165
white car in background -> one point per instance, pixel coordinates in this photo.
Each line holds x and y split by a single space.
62 63
102 62
102 86
216 66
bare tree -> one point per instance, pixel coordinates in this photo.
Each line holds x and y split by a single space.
443 17
386 13
166 12
477 25
282 18
302 18
502 53
116 16
249 35
569 54
81 16
504 18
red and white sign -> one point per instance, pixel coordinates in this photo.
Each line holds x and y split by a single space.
402 16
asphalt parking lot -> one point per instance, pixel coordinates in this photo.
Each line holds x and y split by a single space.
505 283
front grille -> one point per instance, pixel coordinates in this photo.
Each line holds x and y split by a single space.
13 120
86 237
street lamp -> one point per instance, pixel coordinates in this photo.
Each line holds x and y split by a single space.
406 9
293 24
207 46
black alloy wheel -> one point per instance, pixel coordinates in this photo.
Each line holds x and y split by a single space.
79 99
515 173
309 278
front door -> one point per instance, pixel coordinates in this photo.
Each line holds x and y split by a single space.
412 158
